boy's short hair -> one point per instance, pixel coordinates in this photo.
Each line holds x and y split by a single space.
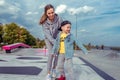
64 23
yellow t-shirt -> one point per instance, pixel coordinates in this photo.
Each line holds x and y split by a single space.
62 44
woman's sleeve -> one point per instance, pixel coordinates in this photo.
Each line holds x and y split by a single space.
60 21
48 34
55 46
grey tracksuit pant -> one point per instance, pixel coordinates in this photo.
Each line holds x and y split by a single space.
51 63
65 67
50 57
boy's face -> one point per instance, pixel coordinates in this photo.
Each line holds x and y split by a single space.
66 28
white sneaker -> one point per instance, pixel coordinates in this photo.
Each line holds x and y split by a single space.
54 73
48 77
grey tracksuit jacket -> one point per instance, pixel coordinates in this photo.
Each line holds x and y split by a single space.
50 30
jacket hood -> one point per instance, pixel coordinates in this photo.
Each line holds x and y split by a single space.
55 20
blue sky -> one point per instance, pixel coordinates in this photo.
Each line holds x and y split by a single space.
98 21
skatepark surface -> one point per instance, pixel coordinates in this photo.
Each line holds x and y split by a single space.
30 64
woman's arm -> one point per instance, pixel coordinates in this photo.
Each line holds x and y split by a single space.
55 46
48 34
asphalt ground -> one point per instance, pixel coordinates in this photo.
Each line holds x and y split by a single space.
30 64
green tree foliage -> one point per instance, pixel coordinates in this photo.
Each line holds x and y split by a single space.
1 33
30 39
14 33
40 43
10 33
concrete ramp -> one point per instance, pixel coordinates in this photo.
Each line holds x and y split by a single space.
82 71
26 64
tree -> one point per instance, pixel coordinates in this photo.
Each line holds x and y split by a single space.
40 43
14 33
10 33
30 40
1 33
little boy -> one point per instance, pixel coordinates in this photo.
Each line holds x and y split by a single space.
64 46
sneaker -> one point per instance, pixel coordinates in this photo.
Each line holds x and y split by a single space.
61 78
54 73
48 77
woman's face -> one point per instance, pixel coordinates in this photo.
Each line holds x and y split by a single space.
51 14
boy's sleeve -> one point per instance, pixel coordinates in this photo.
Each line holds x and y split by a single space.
80 45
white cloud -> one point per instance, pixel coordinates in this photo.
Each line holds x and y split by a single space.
13 9
42 6
84 9
82 30
87 9
60 9
31 13
28 13
2 2
8 8
36 12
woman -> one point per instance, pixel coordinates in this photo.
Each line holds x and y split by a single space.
51 22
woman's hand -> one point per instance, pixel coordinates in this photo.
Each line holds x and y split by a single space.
54 55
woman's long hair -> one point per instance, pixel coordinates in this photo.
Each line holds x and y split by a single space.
44 16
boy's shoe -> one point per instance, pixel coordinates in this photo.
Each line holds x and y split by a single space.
48 77
54 73
61 78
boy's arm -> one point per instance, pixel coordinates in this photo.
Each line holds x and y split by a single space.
80 45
